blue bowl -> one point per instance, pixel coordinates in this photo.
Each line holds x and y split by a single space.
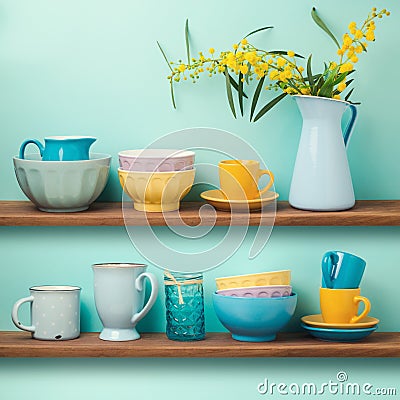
254 319
339 335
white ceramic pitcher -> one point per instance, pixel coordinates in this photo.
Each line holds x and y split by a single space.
321 178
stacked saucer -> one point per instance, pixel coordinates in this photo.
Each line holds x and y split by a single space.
156 179
339 332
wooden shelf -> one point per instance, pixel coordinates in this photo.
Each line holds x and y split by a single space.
364 213
216 345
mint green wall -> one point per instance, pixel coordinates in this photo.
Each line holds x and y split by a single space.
57 255
92 67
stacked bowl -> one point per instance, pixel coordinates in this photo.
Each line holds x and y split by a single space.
255 307
156 179
64 176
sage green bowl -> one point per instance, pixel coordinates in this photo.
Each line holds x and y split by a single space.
62 186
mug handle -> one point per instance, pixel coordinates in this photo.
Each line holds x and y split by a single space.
25 143
14 314
327 267
153 296
367 308
262 172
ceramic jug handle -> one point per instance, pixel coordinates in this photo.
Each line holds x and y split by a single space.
14 314
153 296
367 308
350 126
271 179
25 143
326 268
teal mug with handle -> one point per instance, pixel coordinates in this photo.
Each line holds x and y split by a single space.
61 148
341 270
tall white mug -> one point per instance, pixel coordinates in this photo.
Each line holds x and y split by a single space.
119 294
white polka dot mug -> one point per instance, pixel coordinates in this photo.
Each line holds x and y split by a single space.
55 312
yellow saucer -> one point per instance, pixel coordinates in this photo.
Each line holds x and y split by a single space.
316 320
220 202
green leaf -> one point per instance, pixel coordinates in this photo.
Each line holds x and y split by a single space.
348 95
322 25
327 88
268 106
240 93
340 78
283 53
229 92
172 94
247 77
236 86
256 96
165 57
319 81
310 76
294 86
187 40
258 30
319 84
364 48
325 91
315 77
253 32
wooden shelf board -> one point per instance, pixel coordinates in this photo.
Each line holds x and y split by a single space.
364 213
216 345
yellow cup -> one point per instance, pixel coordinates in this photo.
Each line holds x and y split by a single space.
341 305
239 179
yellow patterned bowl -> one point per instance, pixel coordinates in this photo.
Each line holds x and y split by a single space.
260 279
156 191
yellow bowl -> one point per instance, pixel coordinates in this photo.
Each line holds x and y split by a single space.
156 191
261 279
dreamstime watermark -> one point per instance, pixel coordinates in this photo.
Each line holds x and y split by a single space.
339 386
201 247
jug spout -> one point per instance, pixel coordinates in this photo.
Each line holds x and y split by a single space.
314 107
83 143
322 108
88 140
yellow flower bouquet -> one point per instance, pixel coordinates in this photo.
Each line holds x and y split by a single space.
245 62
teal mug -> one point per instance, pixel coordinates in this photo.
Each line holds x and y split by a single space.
341 270
61 148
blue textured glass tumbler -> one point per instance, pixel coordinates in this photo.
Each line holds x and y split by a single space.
184 302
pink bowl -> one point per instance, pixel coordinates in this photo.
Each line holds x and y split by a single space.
156 160
258 291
